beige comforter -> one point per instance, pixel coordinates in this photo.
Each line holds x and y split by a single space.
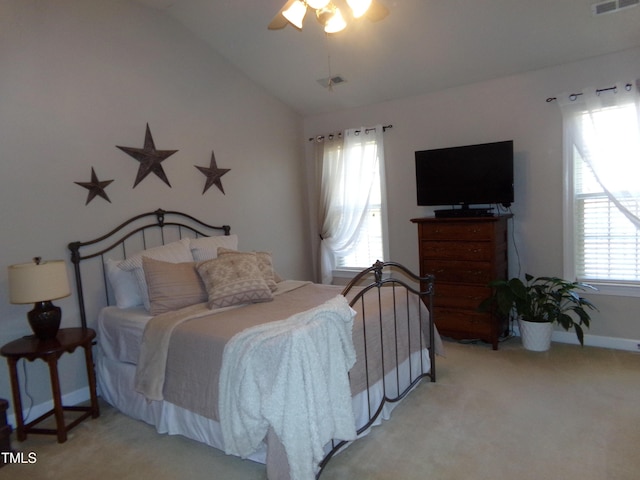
192 342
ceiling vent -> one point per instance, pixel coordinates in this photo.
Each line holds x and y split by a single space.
613 6
330 82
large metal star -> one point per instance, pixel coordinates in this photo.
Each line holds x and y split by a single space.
213 174
95 187
150 159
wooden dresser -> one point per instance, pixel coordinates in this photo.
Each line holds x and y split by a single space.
464 254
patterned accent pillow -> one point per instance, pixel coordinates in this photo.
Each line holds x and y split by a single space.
206 248
174 252
172 285
265 264
233 280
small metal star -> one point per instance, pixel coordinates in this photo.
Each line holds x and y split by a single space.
95 187
213 174
149 158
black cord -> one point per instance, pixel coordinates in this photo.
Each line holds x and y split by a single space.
26 390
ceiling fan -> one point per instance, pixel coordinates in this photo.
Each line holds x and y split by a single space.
327 13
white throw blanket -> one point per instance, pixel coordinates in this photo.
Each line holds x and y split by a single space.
290 375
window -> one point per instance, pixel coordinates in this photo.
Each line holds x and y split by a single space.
602 141
352 206
368 246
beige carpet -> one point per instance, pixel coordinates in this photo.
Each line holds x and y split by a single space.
571 413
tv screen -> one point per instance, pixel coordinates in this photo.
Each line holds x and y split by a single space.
467 175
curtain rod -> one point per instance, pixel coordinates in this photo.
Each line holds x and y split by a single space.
320 138
574 96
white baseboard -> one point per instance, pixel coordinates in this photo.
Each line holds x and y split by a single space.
72 398
615 343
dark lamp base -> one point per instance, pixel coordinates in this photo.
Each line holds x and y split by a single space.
45 320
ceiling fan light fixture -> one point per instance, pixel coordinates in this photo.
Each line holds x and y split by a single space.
329 16
317 4
332 20
295 13
324 14
359 7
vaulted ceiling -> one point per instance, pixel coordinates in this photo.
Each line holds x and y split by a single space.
420 47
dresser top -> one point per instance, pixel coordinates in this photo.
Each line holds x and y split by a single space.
493 218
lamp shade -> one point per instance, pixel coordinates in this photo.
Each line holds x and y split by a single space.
359 7
38 282
295 13
335 22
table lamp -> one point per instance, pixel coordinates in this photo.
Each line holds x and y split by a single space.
40 282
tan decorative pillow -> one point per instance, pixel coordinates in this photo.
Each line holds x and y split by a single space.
265 264
172 286
234 279
175 252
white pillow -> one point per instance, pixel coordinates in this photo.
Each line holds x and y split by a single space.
124 285
175 252
206 248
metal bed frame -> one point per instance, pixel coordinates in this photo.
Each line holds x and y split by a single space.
182 223
161 226
400 287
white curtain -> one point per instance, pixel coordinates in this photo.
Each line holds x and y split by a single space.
346 172
610 148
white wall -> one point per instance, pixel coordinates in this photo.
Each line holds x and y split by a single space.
502 109
79 78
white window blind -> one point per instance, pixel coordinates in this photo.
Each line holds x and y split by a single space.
606 239
369 246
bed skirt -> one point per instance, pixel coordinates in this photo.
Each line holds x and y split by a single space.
116 386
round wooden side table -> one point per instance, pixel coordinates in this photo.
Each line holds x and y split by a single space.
31 348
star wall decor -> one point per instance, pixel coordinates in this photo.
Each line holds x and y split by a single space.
150 159
95 187
213 174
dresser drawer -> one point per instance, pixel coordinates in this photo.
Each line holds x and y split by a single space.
463 323
457 231
477 273
479 251
459 296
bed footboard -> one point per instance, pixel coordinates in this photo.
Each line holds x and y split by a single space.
401 374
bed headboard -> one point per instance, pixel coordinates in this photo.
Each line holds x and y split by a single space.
133 235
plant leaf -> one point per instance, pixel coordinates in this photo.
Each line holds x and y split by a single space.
518 288
580 334
566 321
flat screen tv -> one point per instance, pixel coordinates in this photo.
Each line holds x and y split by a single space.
464 176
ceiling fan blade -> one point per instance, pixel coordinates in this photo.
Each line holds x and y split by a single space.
279 21
376 11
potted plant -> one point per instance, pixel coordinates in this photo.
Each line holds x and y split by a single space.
538 303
